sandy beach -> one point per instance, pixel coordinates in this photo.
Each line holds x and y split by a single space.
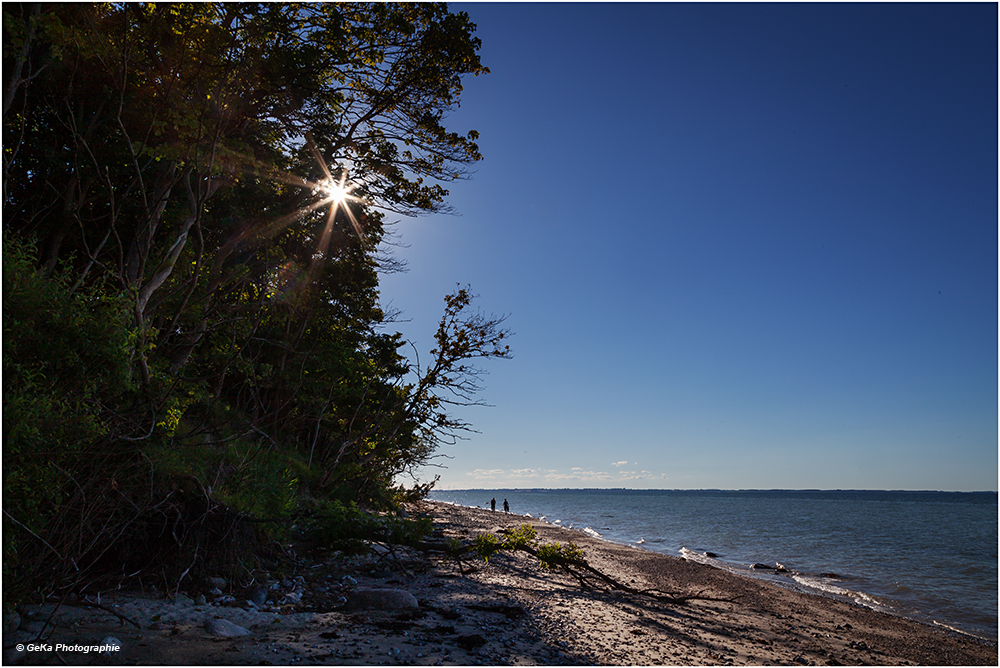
502 612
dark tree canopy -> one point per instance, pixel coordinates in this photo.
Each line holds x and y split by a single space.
178 167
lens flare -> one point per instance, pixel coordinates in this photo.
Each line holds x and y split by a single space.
338 192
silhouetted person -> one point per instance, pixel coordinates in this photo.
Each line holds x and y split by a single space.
493 505
506 508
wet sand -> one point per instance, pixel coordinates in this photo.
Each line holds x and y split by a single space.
508 612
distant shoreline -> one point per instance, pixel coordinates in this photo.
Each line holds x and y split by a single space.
497 490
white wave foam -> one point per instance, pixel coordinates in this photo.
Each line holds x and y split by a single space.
691 555
822 584
592 532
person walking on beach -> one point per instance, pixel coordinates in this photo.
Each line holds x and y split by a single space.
506 508
493 505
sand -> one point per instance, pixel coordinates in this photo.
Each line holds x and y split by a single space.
508 612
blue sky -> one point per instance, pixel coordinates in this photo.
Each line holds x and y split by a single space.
740 246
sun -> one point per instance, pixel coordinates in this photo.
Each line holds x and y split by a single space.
334 191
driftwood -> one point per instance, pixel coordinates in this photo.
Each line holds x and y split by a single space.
569 560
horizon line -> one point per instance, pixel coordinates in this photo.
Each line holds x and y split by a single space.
712 489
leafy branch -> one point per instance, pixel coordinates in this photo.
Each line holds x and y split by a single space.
556 557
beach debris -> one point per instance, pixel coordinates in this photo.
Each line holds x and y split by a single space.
364 598
568 559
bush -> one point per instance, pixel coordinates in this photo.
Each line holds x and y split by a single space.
65 357
346 527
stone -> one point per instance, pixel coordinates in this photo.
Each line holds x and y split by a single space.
764 567
223 628
258 596
292 598
110 643
12 655
219 583
11 621
364 598
32 626
200 599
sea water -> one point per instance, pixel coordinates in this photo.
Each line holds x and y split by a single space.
930 556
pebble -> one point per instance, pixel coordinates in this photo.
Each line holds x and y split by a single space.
223 628
111 641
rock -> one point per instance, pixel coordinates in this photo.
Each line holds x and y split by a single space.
364 598
764 567
215 592
711 555
223 628
292 598
217 583
200 599
258 596
111 646
12 655
11 621
32 626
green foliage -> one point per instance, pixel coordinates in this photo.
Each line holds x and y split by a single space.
486 545
551 554
64 359
250 479
522 536
194 310
346 527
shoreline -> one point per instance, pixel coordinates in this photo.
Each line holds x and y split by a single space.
914 577
732 568
502 612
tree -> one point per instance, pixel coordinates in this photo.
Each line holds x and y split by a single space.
221 173
164 144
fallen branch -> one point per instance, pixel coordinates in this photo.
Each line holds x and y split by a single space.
567 558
